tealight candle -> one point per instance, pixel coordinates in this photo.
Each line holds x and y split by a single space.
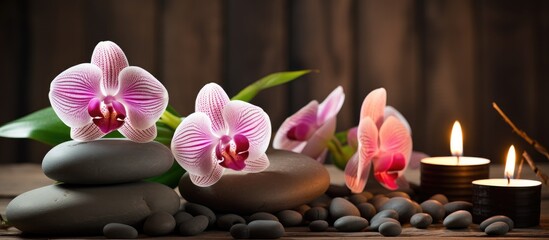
452 175
518 199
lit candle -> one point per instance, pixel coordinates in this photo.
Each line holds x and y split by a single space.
518 199
452 175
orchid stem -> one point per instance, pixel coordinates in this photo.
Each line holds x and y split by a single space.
171 120
340 156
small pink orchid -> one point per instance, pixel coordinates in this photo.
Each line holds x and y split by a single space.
384 139
221 134
96 98
310 128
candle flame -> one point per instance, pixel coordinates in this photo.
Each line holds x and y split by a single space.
456 140
510 163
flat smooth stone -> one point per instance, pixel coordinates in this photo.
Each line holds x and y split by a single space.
458 219
435 209
403 206
265 229
119 231
291 180
106 161
351 224
159 223
340 207
497 218
68 209
390 229
497 229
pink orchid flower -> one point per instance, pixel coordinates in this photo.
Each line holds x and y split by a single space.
310 128
383 139
96 98
221 134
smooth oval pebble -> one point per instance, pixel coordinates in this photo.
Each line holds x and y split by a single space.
397 194
158 224
262 216
340 207
378 201
226 221
59 209
318 226
497 218
458 219
402 206
199 209
240 231
357 199
367 210
421 220
302 209
106 161
338 191
180 217
321 201
457 205
497 229
289 218
194 225
316 213
350 224
390 229
434 208
440 197
119 230
388 213
292 179
266 229
374 225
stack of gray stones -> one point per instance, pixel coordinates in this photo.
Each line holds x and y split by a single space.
101 189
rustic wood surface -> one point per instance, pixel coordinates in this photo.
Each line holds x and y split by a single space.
18 178
439 60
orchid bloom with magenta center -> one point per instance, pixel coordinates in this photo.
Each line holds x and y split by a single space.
221 134
384 139
96 98
310 129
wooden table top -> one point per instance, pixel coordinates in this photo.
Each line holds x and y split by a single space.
18 178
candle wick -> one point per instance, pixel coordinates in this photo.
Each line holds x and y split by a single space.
508 180
457 157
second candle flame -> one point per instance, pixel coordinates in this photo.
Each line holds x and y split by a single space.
456 140
510 164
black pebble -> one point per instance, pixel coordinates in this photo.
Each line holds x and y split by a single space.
367 210
262 216
318 226
194 226
197 209
180 217
316 213
289 218
225 222
119 230
158 224
266 229
240 231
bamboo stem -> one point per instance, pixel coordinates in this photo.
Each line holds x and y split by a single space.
521 133
519 171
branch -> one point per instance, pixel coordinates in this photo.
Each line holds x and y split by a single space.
521 133
534 168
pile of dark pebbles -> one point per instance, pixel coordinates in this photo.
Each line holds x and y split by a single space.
337 210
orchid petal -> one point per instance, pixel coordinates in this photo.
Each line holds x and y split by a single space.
72 90
331 105
257 165
319 141
322 157
110 58
143 95
306 115
367 134
374 105
391 111
251 122
211 100
387 167
356 173
137 135
394 138
86 133
210 178
193 143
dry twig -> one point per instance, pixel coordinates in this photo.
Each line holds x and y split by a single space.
544 178
521 133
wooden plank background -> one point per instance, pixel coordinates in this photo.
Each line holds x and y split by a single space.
440 60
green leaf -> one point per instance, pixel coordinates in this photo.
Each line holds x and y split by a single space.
268 81
43 126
